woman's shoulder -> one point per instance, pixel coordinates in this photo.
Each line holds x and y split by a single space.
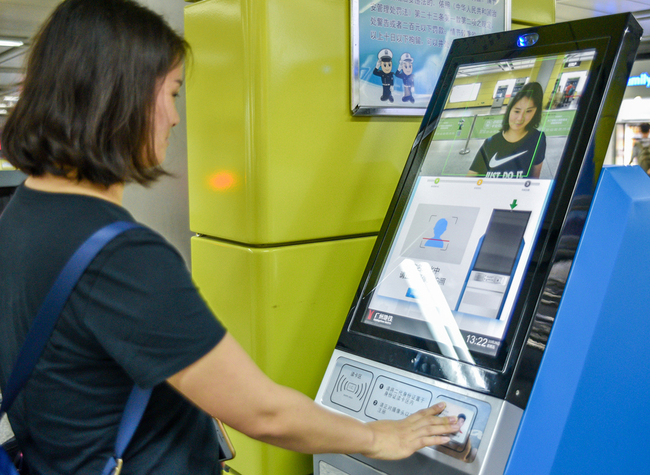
498 137
143 244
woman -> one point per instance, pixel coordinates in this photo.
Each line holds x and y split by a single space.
95 113
518 150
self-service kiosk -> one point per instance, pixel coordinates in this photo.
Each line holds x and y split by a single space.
510 282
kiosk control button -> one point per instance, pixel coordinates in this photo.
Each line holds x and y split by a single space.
351 387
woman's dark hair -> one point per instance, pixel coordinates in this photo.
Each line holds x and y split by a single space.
87 102
533 91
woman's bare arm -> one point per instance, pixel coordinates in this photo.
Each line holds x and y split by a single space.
227 384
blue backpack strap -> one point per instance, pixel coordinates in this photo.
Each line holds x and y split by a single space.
6 464
51 308
48 314
135 406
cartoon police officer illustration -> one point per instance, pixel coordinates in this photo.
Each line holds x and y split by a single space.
384 71
405 73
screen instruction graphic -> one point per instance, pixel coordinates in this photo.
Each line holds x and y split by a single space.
440 232
442 274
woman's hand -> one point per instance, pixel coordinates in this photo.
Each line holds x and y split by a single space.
395 440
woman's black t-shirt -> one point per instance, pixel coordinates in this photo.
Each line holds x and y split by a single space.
134 316
498 158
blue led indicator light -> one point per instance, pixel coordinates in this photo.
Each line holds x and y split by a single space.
527 40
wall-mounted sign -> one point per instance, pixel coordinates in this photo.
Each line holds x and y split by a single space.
641 80
399 47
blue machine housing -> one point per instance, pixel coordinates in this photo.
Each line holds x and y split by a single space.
581 413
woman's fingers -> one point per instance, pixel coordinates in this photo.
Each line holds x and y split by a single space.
429 418
399 439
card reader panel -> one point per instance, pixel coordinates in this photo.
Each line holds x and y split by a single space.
368 391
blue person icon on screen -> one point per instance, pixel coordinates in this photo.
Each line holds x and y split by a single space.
438 230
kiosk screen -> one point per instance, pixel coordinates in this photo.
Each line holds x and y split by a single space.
456 260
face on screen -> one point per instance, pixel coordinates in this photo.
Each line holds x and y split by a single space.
458 258
521 114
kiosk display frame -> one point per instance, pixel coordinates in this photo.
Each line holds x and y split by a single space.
507 370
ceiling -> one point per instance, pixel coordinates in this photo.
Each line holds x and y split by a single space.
21 19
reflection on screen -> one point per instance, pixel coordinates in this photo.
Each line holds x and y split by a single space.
458 258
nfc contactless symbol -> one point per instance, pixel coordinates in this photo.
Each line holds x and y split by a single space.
353 389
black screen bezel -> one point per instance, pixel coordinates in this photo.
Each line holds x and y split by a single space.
493 375
494 363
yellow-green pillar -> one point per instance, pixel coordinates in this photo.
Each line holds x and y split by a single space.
287 189
526 13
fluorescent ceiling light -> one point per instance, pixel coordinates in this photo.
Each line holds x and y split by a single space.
10 43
